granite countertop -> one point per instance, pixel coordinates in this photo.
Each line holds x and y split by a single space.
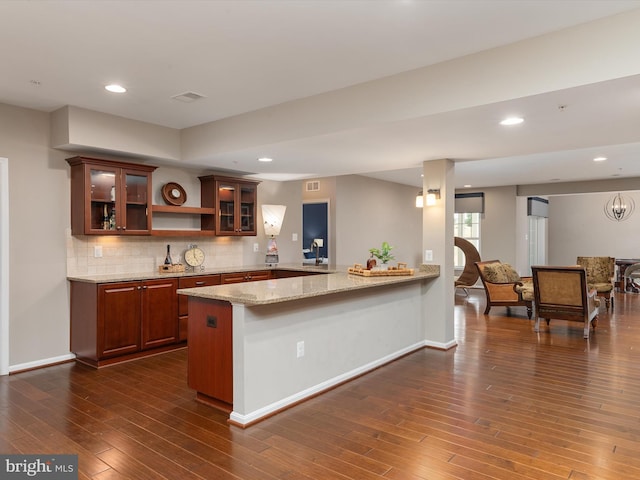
287 289
126 277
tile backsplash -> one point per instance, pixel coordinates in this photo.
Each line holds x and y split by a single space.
124 254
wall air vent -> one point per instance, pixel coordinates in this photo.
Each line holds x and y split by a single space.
313 186
188 97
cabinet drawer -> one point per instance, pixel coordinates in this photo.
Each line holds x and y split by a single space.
291 273
190 282
245 276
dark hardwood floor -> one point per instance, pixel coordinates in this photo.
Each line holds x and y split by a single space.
506 403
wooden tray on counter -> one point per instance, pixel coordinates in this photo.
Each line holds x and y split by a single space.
401 269
175 268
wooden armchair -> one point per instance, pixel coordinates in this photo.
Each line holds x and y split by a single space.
600 273
562 292
504 287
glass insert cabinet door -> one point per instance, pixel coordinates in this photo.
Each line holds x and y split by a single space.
102 211
236 208
247 208
227 207
135 202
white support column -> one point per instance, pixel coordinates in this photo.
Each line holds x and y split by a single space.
437 243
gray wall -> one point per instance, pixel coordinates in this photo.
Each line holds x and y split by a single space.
370 211
289 251
578 226
498 225
38 222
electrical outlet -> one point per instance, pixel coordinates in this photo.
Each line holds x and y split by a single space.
97 251
256 247
294 237
428 255
300 349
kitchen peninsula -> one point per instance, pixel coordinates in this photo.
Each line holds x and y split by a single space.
257 348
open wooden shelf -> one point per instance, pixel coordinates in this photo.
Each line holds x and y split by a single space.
185 210
182 233
182 211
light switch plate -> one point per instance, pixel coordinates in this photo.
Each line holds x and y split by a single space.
256 247
428 255
294 237
97 251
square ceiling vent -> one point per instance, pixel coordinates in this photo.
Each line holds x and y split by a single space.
188 97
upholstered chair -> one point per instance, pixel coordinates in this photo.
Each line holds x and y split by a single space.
504 287
563 293
600 273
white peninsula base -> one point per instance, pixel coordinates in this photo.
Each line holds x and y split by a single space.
284 351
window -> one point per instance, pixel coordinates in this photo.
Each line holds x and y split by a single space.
467 226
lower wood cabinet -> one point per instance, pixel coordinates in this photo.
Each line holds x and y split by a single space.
111 322
118 320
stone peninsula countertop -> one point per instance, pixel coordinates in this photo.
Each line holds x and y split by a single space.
127 277
287 289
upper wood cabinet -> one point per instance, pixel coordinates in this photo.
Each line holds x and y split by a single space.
110 197
235 201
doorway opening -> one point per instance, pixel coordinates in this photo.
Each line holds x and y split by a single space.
315 225
4 266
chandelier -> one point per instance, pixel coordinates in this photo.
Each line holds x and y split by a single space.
619 208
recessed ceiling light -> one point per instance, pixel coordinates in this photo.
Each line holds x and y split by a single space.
512 121
599 159
265 159
467 186
115 88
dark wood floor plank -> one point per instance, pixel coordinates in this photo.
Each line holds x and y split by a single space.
506 403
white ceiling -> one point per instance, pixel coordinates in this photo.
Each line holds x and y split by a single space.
246 55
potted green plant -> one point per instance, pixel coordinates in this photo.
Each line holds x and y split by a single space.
383 254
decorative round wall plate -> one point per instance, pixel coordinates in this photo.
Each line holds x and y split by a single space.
173 194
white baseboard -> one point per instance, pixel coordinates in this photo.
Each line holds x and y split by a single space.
440 345
45 362
268 410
